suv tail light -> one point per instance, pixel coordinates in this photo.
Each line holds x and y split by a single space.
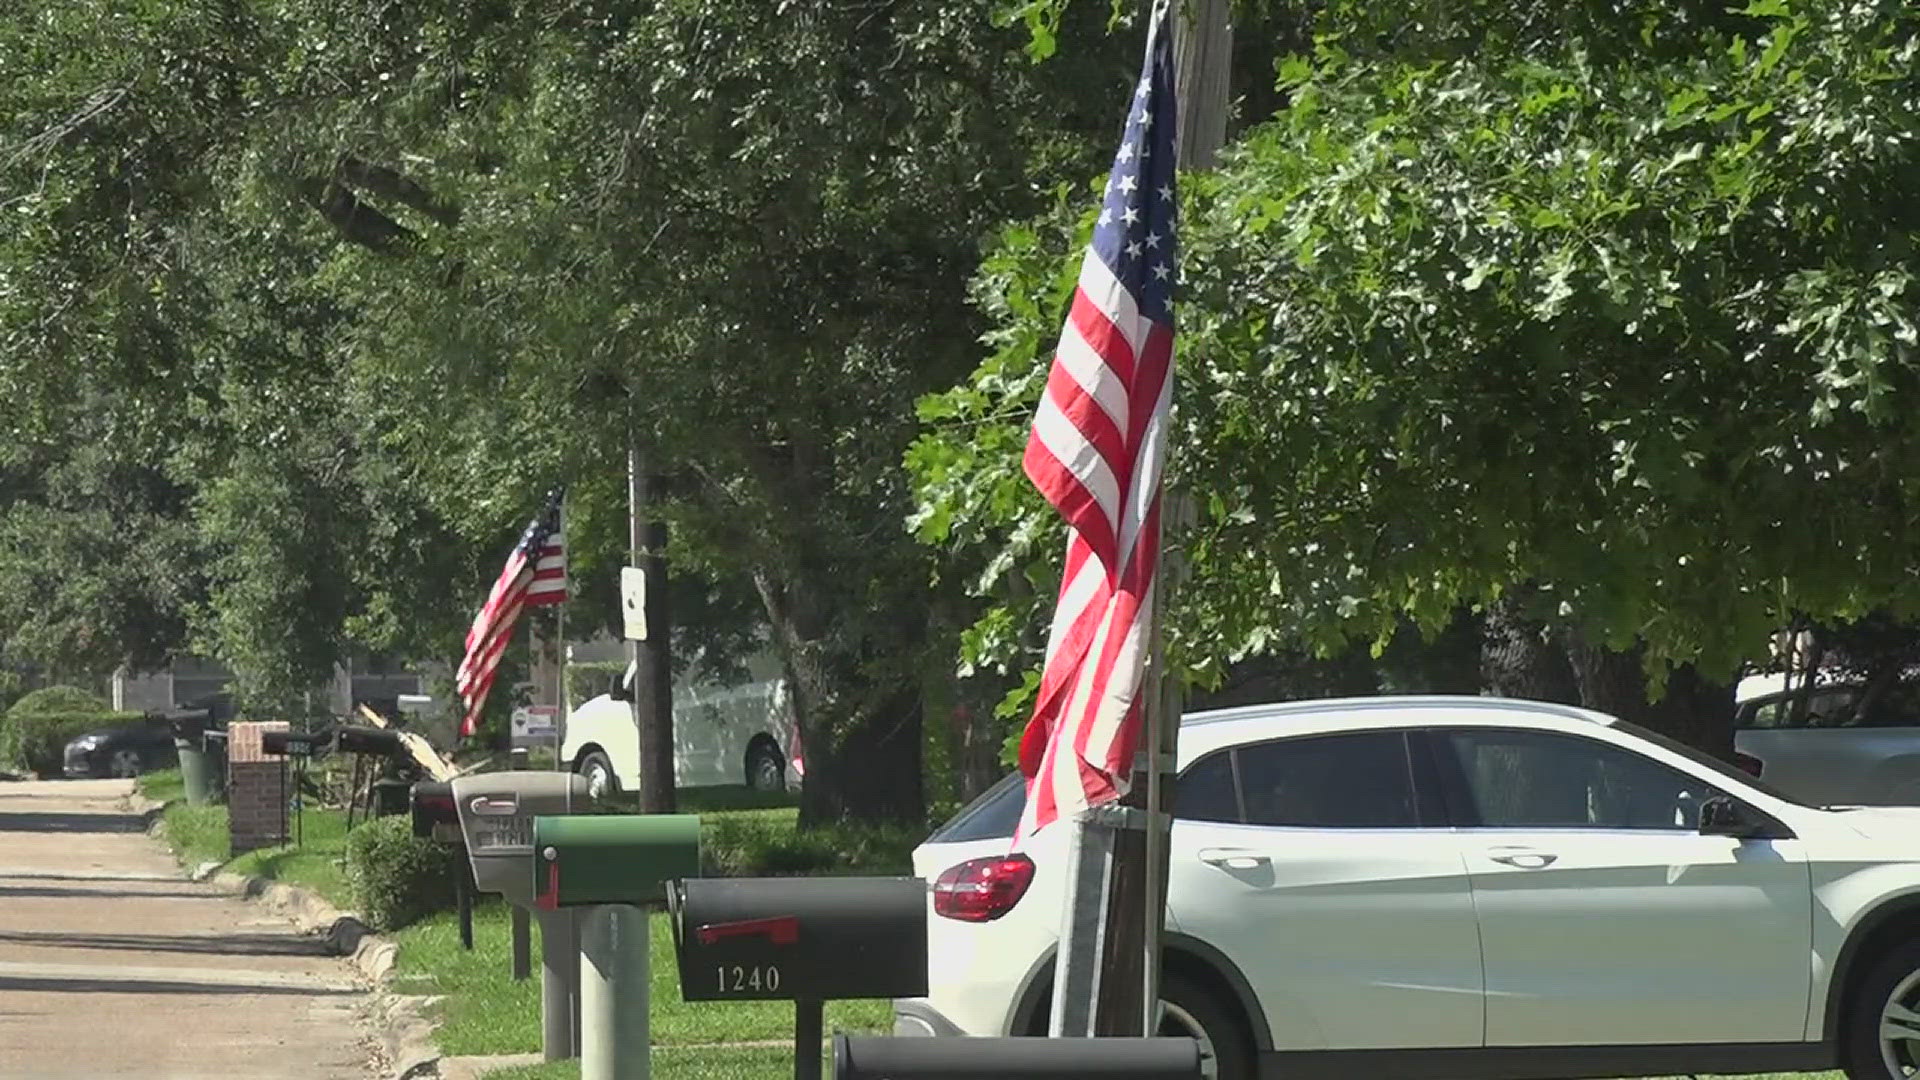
1748 763
982 890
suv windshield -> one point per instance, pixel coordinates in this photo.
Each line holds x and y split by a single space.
1702 758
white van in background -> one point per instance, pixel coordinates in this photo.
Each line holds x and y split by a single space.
732 735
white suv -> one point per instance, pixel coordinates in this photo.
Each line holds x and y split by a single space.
1468 887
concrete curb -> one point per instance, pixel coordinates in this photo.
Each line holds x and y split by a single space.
472 1068
406 1033
148 810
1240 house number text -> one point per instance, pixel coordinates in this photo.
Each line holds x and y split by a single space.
749 980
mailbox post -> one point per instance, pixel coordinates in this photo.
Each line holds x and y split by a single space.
496 813
435 818
804 940
609 864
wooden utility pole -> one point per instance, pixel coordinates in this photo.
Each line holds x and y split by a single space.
1137 870
652 658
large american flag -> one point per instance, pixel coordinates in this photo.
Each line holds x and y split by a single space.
1096 452
535 574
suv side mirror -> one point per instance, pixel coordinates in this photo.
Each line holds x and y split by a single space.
1723 816
622 689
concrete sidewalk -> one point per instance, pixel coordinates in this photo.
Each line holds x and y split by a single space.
113 965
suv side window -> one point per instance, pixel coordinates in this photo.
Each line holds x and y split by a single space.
1823 707
1353 780
1895 704
1207 791
1546 780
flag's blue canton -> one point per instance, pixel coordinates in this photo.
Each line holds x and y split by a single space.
541 527
1135 233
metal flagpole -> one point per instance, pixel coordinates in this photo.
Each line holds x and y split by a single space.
1096 989
560 638
1202 54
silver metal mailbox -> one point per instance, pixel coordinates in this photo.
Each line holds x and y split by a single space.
496 821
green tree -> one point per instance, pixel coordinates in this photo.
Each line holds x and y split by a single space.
742 231
1621 308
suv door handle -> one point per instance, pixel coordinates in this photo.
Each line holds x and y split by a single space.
1524 858
1233 858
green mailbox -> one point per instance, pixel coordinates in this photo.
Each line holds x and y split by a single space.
583 859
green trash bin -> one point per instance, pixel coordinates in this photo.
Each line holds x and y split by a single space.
190 744
216 755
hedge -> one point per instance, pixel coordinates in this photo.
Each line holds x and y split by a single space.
59 699
747 846
36 741
397 877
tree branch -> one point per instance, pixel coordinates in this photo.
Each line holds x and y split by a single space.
353 219
389 183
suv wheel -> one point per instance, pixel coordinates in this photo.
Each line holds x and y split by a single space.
1226 1053
765 770
1882 1033
124 764
602 781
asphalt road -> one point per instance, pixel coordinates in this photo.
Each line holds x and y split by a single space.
113 965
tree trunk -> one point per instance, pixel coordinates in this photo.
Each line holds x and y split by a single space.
976 740
1447 664
860 723
1522 658
862 750
1693 709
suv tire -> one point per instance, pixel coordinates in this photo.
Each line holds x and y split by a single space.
765 770
597 767
1889 991
1222 1034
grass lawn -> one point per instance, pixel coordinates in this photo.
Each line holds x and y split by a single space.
198 834
486 1012
165 785
684 1063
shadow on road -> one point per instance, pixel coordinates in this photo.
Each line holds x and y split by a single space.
44 985
101 878
53 822
225 945
56 891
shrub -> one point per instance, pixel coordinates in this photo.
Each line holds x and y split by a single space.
747 846
58 699
9 688
35 741
396 877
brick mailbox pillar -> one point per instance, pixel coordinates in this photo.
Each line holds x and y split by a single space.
256 788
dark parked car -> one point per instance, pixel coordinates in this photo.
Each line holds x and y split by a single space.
133 748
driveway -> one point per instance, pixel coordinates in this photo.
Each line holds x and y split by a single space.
111 964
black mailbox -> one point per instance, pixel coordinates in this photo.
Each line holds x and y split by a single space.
800 939
1015 1059
294 743
349 739
434 813
190 726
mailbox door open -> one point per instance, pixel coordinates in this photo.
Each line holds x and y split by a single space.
611 858
433 812
800 939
